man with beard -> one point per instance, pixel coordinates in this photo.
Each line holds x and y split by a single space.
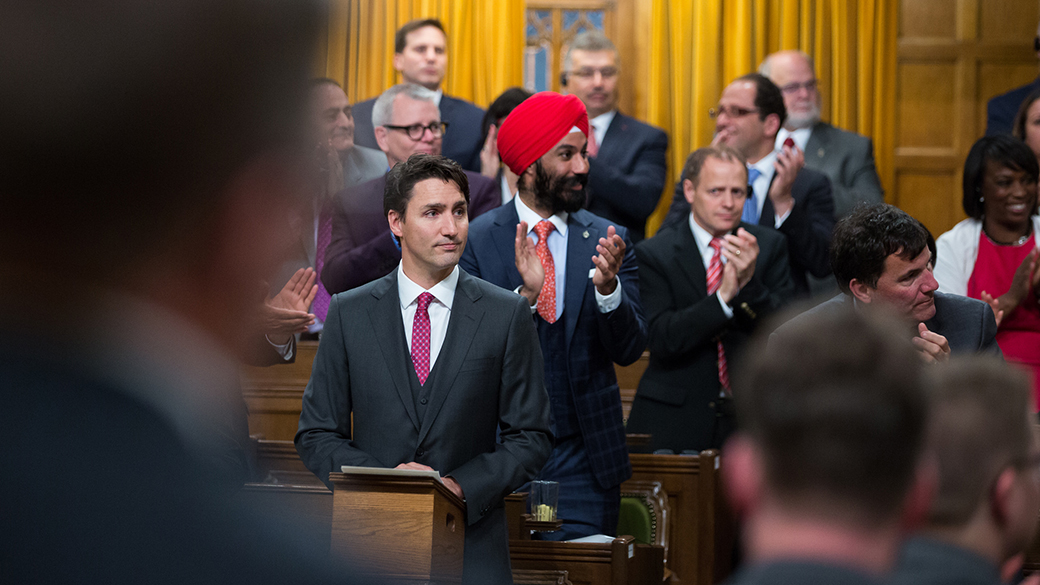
845 157
578 272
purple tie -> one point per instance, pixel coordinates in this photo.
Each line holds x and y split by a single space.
320 307
421 338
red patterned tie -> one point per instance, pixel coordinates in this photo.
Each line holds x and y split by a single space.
546 298
714 280
421 337
592 148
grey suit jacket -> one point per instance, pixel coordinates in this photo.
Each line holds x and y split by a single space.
362 164
967 324
488 376
848 161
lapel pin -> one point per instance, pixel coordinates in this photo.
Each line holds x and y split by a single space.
819 153
585 234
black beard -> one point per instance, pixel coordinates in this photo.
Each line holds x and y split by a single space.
557 193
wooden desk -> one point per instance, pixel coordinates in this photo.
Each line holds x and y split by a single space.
700 526
274 395
620 562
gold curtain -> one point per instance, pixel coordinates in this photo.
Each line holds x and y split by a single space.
485 44
698 46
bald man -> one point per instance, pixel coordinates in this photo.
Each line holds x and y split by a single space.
578 272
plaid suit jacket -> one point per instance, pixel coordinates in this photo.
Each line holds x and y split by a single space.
595 340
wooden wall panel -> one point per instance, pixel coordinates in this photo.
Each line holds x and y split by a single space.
953 56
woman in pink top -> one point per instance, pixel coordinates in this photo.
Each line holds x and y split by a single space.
993 254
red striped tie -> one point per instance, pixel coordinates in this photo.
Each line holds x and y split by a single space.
714 280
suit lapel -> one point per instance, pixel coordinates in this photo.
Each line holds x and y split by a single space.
614 137
582 238
389 333
462 329
505 244
691 266
768 216
819 140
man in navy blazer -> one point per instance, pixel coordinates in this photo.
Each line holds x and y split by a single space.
362 248
581 282
881 257
421 56
627 164
785 196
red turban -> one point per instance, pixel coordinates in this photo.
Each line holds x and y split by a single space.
537 125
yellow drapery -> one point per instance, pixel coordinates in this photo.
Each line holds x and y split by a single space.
699 46
485 44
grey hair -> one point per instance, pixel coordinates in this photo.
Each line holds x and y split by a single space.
591 41
383 109
767 63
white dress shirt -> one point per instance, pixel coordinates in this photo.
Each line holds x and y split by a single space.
600 124
440 309
703 239
800 137
761 185
558 249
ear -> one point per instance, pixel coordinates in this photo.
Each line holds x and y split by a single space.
863 292
742 474
918 501
1001 495
772 125
687 191
395 220
398 62
381 134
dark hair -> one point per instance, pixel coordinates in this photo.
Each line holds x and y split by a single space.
695 162
837 408
421 166
117 156
768 97
980 422
1002 149
1018 128
401 37
867 236
500 108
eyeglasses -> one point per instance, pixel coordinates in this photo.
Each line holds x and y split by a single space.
731 111
589 72
417 131
794 87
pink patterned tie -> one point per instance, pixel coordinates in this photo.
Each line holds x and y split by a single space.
421 337
546 298
714 280
320 306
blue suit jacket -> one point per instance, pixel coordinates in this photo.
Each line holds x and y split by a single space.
1002 109
462 142
627 177
595 340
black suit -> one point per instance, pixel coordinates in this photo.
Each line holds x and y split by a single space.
626 177
678 397
488 377
462 142
808 227
362 248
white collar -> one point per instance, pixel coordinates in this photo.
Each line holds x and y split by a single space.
525 213
700 235
443 291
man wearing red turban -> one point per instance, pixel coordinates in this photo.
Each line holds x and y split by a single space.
579 274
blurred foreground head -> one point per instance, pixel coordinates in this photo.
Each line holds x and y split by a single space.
831 430
151 146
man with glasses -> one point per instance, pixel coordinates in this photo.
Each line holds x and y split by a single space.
982 436
362 249
626 157
784 195
845 157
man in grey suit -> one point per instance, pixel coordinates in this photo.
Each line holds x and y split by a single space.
881 256
470 402
845 157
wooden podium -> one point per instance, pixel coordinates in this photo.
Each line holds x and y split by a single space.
399 528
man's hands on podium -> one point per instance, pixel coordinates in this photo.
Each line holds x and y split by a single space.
448 482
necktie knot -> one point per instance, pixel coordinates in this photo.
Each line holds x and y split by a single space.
716 244
543 229
753 174
424 301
